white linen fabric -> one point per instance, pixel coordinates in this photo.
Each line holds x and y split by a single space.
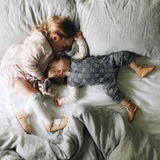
111 26
98 133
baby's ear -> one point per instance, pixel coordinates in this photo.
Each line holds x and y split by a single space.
59 71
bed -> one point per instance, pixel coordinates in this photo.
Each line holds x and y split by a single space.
98 128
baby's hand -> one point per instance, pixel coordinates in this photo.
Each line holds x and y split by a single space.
57 102
78 36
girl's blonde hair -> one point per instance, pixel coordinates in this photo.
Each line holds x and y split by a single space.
56 25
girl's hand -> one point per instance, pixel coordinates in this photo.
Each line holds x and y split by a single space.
57 102
42 78
78 36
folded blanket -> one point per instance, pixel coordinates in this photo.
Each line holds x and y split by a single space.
92 132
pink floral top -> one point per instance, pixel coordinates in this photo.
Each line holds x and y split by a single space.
33 56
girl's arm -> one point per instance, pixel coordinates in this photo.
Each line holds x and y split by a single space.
30 62
82 53
72 97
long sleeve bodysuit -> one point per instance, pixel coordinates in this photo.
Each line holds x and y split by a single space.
78 51
99 70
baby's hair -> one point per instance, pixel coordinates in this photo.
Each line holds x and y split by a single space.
56 25
58 81
51 74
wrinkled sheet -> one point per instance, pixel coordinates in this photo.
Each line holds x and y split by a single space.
114 25
97 127
92 133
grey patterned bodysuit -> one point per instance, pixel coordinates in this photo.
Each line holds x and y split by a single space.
99 70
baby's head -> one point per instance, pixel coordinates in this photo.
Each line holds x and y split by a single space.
58 70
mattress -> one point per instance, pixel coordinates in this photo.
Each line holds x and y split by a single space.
145 93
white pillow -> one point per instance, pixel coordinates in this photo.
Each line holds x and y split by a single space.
19 16
114 25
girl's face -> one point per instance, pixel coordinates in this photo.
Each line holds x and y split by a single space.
62 44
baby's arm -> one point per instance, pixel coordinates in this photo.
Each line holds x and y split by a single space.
74 94
82 46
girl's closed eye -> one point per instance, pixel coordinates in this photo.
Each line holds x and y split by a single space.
68 48
64 48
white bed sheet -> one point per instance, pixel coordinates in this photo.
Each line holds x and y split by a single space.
143 92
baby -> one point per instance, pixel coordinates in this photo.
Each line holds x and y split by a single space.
77 52
93 71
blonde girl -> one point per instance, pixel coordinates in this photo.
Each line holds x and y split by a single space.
25 62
